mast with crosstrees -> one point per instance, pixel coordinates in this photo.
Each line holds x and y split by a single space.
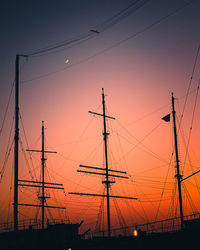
105 171
178 175
41 184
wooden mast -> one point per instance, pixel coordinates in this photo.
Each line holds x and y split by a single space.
107 182
16 144
105 171
178 175
16 148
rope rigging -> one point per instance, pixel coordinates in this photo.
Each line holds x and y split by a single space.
145 148
8 151
190 82
7 106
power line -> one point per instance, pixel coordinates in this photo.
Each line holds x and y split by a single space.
118 17
140 32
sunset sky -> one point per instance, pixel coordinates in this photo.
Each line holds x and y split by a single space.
139 55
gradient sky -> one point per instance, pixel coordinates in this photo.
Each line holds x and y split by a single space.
138 73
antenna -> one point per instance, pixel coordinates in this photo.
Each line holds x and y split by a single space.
105 171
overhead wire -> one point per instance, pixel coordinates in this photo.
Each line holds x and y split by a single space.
134 6
148 27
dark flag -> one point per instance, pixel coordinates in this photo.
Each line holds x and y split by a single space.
166 118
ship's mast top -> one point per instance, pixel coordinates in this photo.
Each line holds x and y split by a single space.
105 171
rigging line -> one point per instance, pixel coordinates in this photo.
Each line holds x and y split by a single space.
101 210
8 151
7 106
149 114
122 150
172 203
117 162
147 170
192 205
190 161
66 158
27 163
81 136
187 146
114 45
37 213
148 150
94 151
66 179
121 219
29 153
161 198
190 82
54 193
148 199
192 120
133 7
10 194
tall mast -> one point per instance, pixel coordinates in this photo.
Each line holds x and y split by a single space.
178 175
104 171
107 182
16 149
16 145
43 163
17 182
42 183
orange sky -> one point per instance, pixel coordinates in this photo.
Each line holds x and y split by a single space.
138 77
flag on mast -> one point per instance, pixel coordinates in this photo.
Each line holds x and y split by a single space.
166 118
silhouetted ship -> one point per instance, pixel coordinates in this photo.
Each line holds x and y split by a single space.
34 234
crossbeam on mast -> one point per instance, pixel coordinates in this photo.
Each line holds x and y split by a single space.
111 170
103 195
40 186
40 151
108 171
35 205
94 113
111 175
190 176
40 182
